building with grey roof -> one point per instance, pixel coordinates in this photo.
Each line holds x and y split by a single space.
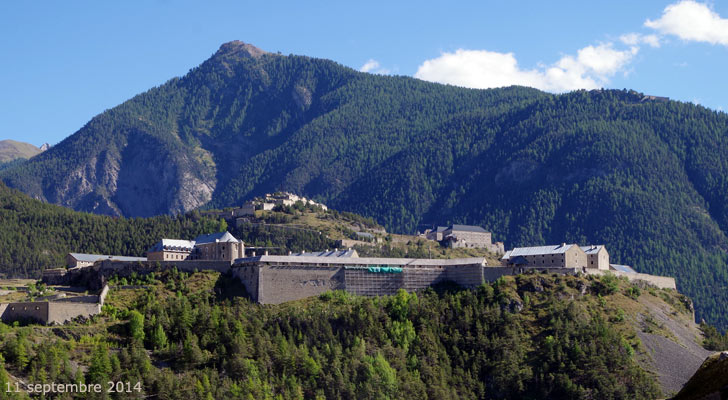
74 260
219 246
348 253
597 256
277 279
467 236
554 256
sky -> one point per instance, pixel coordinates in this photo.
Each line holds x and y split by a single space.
65 62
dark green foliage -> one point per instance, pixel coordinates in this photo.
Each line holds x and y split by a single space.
713 339
648 179
35 236
449 345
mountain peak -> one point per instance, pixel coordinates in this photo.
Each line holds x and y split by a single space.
239 49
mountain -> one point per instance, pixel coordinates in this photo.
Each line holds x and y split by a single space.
11 150
647 178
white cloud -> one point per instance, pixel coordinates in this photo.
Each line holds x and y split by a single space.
373 66
591 68
693 21
635 39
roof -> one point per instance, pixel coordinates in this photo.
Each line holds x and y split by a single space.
96 257
334 253
361 261
215 237
441 229
467 228
172 244
622 268
539 250
592 249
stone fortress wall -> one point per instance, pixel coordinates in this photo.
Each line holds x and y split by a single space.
661 282
279 282
57 311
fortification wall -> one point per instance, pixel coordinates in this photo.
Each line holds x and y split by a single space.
491 274
36 311
662 282
122 268
92 298
249 277
467 276
102 295
60 313
278 284
363 282
420 278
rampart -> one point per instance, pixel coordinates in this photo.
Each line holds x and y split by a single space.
279 284
95 277
54 312
661 282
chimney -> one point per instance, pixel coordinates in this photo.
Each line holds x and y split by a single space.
266 252
563 244
289 252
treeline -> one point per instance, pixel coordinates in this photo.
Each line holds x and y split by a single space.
487 343
35 236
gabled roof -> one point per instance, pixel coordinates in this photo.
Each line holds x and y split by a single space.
592 249
467 228
215 237
540 250
334 253
441 229
172 244
96 257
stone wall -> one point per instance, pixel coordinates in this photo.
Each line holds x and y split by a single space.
362 282
421 278
467 276
279 284
36 311
61 312
249 276
56 311
661 282
491 274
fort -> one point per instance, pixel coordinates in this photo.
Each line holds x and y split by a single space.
464 236
274 279
57 311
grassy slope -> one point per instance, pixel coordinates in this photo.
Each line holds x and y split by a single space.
11 150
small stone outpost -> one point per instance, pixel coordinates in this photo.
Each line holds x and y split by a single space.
59 310
273 279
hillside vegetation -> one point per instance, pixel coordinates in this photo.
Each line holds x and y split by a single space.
648 179
184 337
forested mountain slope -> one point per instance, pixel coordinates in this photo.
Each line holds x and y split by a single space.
649 179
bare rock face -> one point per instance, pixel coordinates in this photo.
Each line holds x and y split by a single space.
143 179
240 49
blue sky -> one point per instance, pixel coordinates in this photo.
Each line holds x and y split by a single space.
64 62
